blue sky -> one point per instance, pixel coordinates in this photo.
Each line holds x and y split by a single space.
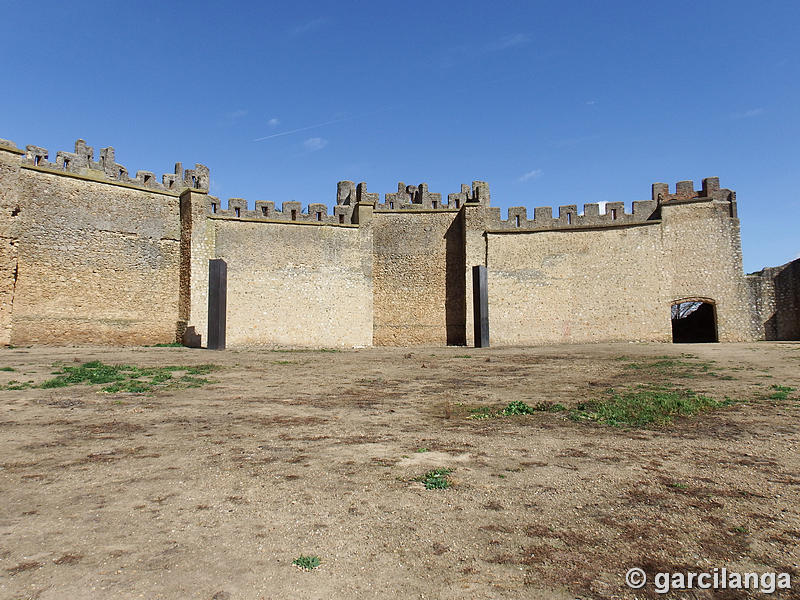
551 103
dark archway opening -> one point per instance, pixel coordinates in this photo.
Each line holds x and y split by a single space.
694 321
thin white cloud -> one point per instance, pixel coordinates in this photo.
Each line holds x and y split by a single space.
591 102
237 114
457 54
753 112
315 143
508 41
331 122
308 26
273 122
530 175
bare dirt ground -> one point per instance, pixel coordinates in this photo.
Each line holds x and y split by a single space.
211 492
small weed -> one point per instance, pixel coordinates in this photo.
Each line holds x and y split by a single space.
422 450
8 369
281 362
481 412
678 486
307 563
781 392
435 479
741 529
169 345
518 407
463 356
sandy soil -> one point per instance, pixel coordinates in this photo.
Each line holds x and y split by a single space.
211 492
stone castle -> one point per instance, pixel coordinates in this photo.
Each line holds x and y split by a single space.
93 255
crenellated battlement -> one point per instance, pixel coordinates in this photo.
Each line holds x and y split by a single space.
419 197
289 211
81 162
684 190
569 217
95 253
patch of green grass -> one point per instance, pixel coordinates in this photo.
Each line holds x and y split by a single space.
645 405
781 392
307 563
463 356
281 362
169 345
671 366
8 369
678 485
16 385
741 529
128 378
422 450
435 479
517 407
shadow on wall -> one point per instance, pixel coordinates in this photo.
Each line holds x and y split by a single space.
775 295
455 284
786 320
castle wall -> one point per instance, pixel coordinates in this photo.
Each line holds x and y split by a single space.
418 285
296 284
775 301
90 254
9 241
702 259
564 286
98 263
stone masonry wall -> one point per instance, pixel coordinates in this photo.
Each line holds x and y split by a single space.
775 301
107 273
97 250
9 240
91 254
418 283
576 286
295 284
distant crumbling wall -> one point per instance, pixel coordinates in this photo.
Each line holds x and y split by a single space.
775 301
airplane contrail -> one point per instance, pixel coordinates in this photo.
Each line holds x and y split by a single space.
331 122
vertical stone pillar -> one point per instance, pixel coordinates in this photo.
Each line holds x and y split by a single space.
217 303
474 254
480 304
196 247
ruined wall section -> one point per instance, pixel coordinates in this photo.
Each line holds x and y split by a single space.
703 256
98 252
775 301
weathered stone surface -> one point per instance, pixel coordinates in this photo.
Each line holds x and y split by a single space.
89 254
